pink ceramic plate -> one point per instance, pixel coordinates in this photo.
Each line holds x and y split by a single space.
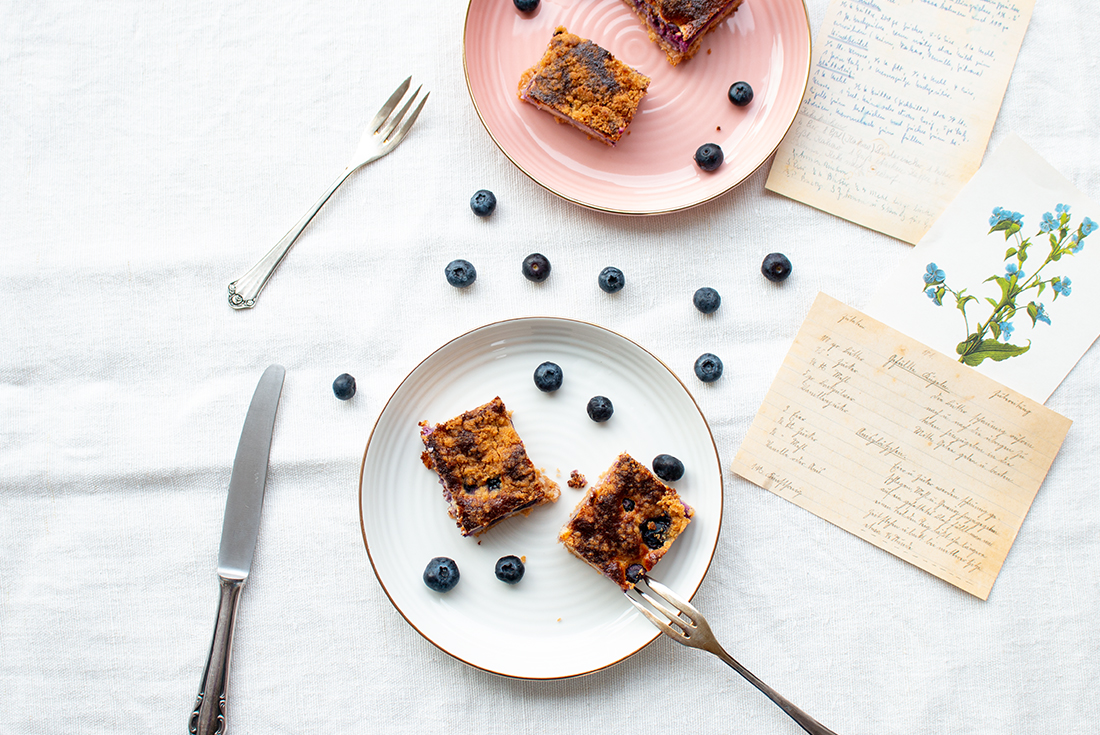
651 171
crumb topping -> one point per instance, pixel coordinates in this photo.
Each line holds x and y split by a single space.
626 522
484 468
678 26
576 480
585 84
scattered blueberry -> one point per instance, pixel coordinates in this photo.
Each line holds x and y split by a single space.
536 267
654 531
548 377
441 574
776 267
483 202
526 6
461 273
707 300
344 387
612 279
600 409
634 573
509 569
668 468
628 504
709 156
708 368
740 93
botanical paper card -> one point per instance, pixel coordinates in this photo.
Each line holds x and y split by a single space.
1008 278
899 109
901 446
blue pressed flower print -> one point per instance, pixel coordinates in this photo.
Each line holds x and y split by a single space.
990 338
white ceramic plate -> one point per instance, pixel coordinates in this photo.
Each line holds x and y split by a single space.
563 619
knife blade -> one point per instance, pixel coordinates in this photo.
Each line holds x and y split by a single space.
240 528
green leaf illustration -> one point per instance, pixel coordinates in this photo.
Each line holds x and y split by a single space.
1009 253
989 349
1033 312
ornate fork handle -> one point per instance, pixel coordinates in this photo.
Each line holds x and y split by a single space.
807 723
244 290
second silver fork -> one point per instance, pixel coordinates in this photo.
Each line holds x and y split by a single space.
384 133
684 624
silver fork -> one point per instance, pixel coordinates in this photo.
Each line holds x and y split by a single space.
380 137
684 624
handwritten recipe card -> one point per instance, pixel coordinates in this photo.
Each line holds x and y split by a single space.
899 109
901 446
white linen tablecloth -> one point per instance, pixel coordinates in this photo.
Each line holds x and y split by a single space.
151 152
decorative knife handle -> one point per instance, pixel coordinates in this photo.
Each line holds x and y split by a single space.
208 718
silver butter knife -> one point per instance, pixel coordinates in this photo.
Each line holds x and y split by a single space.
239 530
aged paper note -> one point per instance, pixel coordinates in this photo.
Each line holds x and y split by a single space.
899 109
901 446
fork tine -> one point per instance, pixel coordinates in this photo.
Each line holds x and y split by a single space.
397 137
391 124
665 627
673 599
391 103
656 600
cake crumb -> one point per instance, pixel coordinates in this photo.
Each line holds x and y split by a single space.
717 127
576 480
708 52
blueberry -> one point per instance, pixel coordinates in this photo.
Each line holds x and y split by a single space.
526 6
441 574
510 569
344 386
740 93
708 368
600 409
709 156
536 267
707 300
460 273
668 468
548 377
611 279
776 267
655 530
634 573
483 202
628 504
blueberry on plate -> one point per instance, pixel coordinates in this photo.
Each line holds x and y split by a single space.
483 202
460 273
600 409
344 386
740 93
510 569
526 6
707 300
668 468
634 573
611 279
441 574
548 377
709 156
776 267
708 368
536 267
